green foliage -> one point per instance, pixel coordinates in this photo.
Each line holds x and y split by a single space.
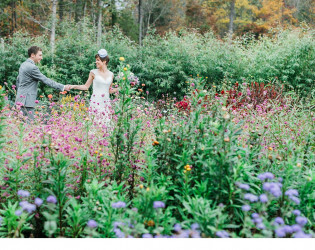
164 64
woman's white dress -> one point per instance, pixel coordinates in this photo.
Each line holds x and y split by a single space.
100 106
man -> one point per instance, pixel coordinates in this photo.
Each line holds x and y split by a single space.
27 82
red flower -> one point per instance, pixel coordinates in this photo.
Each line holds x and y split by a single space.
222 92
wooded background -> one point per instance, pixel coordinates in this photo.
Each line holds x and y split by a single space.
137 17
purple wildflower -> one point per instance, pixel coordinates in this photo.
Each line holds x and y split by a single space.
296 228
1 219
38 202
279 221
260 226
280 179
301 220
92 224
263 198
119 204
51 199
255 215
194 226
177 227
246 208
250 197
119 233
266 175
23 193
296 212
301 234
243 186
288 229
292 192
222 234
280 232
183 234
158 204
295 199
18 212
195 234
257 220
117 224
147 236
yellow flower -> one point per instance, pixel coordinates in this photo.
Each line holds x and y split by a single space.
141 186
124 78
121 59
96 152
125 69
227 139
101 154
185 171
270 148
214 86
148 189
0 87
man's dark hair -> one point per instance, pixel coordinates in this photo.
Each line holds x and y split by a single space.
33 50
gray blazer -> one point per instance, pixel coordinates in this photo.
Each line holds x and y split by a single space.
27 82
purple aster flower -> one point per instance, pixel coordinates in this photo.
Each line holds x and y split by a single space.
250 197
195 234
301 220
266 186
263 198
296 212
246 208
288 229
280 232
257 220
23 193
23 203
177 227
292 192
158 204
279 221
92 224
280 179
266 175
119 233
255 215
222 234
260 226
147 236
243 186
296 228
301 234
119 204
117 224
295 199
184 234
51 199
18 212
30 208
38 202
194 226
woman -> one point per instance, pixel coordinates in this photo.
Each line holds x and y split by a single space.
102 80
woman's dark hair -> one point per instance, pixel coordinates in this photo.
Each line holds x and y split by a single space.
104 59
33 50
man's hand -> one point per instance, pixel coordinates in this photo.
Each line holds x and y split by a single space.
67 87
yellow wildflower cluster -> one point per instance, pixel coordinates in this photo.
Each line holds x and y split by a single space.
187 168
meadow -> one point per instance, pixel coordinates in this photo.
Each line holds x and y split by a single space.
226 159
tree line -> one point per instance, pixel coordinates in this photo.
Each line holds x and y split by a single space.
136 18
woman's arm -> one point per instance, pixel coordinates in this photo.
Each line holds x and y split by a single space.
86 85
111 89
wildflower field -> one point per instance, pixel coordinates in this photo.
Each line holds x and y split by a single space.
231 162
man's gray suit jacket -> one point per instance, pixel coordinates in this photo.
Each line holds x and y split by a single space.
27 82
